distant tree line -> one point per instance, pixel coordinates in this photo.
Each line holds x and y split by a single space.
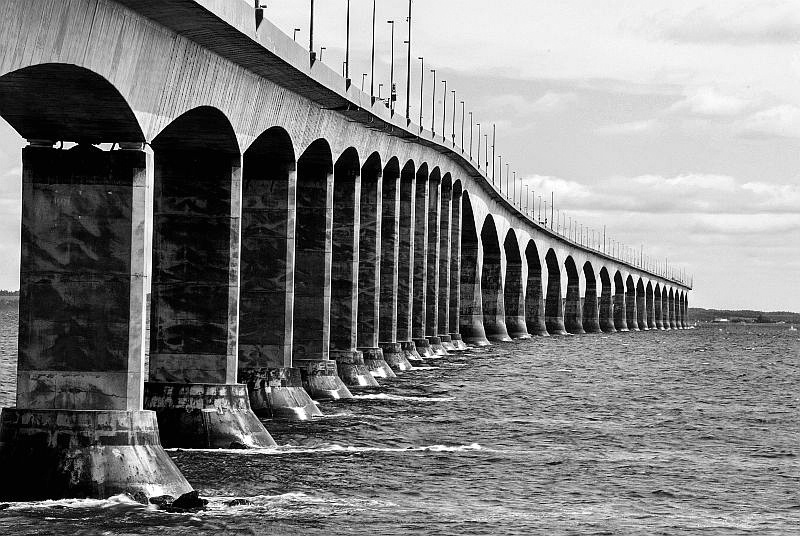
746 315
9 293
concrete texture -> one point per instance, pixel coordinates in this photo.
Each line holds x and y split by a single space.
397 355
376 364
321 381
279 394
206 416
56 454
353 371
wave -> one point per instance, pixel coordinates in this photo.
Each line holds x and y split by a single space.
425 368
289 449
386 396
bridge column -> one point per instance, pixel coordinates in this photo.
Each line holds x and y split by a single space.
573 315
630 306
591 314
534 298
454 329
641 307
686 311
494 312
443 325
554 305
420 274
266 295
471 311
400 359
390 349
312 276
346 292
432 266
194 320
369 269
606 303
513 294
78 429
665 309
672 323
657 310
651 318
620 309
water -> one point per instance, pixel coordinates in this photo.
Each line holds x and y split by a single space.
692 432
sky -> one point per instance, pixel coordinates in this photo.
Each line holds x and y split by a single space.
676 125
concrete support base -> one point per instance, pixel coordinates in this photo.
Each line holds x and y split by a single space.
555 326
279 394
321 380
447 343
517 328
197 416
352 369
57 454
424 348
411 353
398 356
436 346
376 364
458 342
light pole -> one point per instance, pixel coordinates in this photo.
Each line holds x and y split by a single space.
294 34
515 188
501 173
421 87
508 176
494 140
433 105
470 134
311 34
462 125
454 118
486 150
391 74
347 49
408 71
372 72
363 78
479 143
444 108
321 50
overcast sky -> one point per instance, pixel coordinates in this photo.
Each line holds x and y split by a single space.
674 123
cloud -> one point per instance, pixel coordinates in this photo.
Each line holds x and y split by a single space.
777 122
519 105
631 127
762 23
707 101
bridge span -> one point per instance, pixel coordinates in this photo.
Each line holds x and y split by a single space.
305 242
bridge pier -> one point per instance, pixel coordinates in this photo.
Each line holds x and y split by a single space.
433 258
78 428
454 303
657 311
641 307
266 293
194 319
554 304
606 304
445 258
312 275
630 305
620 312
471 312
513 294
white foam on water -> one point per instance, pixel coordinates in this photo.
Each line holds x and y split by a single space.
385 396
425 368
289 449
121 501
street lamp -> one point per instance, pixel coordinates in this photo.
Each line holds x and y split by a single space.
347 50
454 118
486 150
421 87
494 140
433 105
391 73
444 107
470 134
311 34
479 142
408 71
363 78
501 172
372 75
294 34
321 50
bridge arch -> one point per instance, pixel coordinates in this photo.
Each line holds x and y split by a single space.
369 252
267 253
65 102
591 314
513 294
641 306
471 314
606 302
573 318
554 307
494 321
194 290
630 304
312 276
620 309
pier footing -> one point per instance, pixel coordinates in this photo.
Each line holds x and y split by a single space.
58 454
423 347
376 364
279 394
205 416
437 347
353 370
321 380
458 342
395 355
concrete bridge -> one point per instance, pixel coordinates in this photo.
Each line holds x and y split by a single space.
305 243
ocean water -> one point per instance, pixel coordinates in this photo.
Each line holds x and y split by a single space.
690 432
